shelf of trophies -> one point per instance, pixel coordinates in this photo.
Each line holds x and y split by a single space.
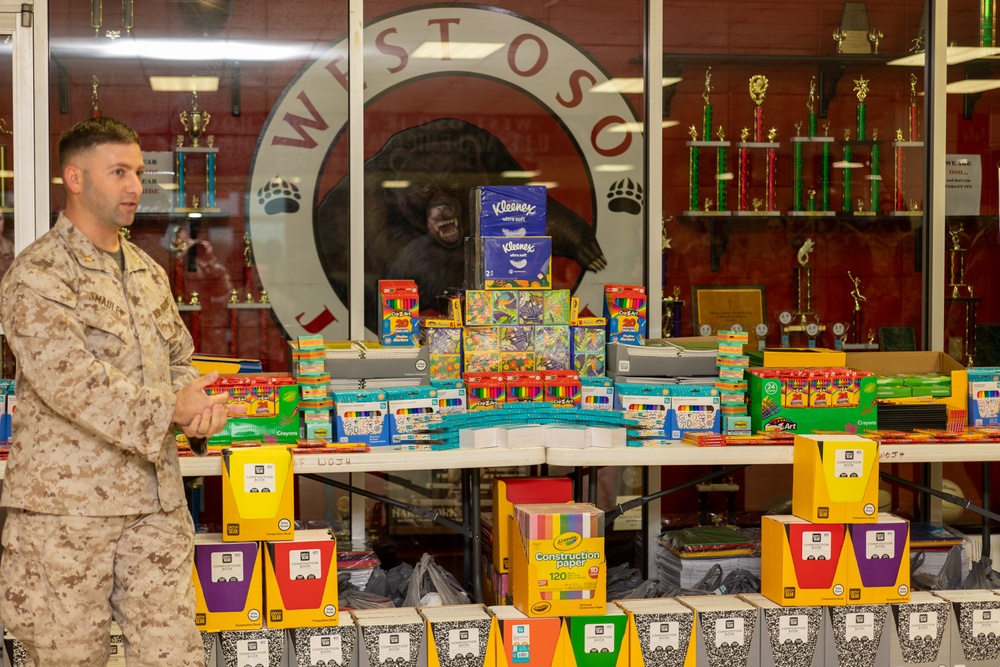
833 180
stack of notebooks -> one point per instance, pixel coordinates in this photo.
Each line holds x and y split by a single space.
935 541
910 416
685 556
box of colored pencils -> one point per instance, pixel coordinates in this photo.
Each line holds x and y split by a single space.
625 310
400 312
562 388
524 387
486 391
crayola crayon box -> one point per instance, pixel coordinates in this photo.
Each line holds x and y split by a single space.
258 494
400 313
878 561
803 563
557 560
511 491
528 642
725 631
300 580
262 407
835 478
625 310
460 635
361 416
227 584
659 632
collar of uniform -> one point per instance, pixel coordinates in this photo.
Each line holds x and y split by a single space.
88 254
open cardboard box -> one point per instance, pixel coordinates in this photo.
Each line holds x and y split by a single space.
891 363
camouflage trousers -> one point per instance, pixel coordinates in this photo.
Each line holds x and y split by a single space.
63 578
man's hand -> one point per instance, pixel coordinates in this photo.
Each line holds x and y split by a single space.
194 404
211 421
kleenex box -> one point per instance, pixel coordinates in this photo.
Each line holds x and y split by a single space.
508 210
517 262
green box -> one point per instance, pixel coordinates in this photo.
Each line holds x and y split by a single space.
897 391
808 420
282 428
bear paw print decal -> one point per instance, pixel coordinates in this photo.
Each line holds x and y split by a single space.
279 196
625 196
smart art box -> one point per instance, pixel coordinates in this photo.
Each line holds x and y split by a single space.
788 635
258 494
508 210
919 633
725 631
227 584
835 478
878 561
803 563
460 636
527 642
524 262
659 632
300 580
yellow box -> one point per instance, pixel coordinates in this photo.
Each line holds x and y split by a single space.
803 564
894 363
563 562
835 479
510 491
878 561
669 626
300 580
803 357
455 632
227 584
258 494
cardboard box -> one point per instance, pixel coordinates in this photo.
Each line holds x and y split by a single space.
300 580
508 210
974 623
892 363
803 357
659 632
260 648
725 631
460 634
389 636
788 635
272 417
510 491
857 635
258 494
227 584
335 644
878 561
527 642
920 635
597 641
769 413
803 563
835 478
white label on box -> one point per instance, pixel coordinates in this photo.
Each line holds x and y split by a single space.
116 656
599 638
227 566
520 643
985 622
880 544
923 624
304 564
664 635
463 642
252 652
259 478
729 631
817 545
860 626
849 463
793 628
328 648
393 646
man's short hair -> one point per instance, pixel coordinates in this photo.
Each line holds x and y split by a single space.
93 132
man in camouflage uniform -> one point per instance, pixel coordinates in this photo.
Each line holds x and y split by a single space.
98 526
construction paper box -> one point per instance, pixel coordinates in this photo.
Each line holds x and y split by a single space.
391 636
557 560
527 642
508 210
335 645
919 633
788 635
227 584
460 636
835 478
300 580
878 561
725 631
974 623
598 641
510 491
857 635
258 494
260 648
803 563
659 632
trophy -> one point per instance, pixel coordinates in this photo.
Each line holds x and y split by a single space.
987 23
803 320
694 159
194 122
852 35
839 331
758 90
956 281
799 145
856 316
235 305
95 106
899 145
672 307
4 174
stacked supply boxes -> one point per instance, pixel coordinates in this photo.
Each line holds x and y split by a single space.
314 388
732 385
510 247
263 408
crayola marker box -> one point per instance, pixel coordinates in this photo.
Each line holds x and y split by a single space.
511 491
400 313
258 494
527 642
300 580
598 641
557 560
878 561
835 478
227 584
460 636
803 563
659 632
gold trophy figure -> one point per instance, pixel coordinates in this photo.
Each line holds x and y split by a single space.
195 121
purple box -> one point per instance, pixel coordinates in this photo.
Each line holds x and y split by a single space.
508 210
524 262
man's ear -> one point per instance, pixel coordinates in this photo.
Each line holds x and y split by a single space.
73 178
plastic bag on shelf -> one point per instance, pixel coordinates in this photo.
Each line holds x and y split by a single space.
398 579
711 581
982 576
431 585
949 578
739 581
622 580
